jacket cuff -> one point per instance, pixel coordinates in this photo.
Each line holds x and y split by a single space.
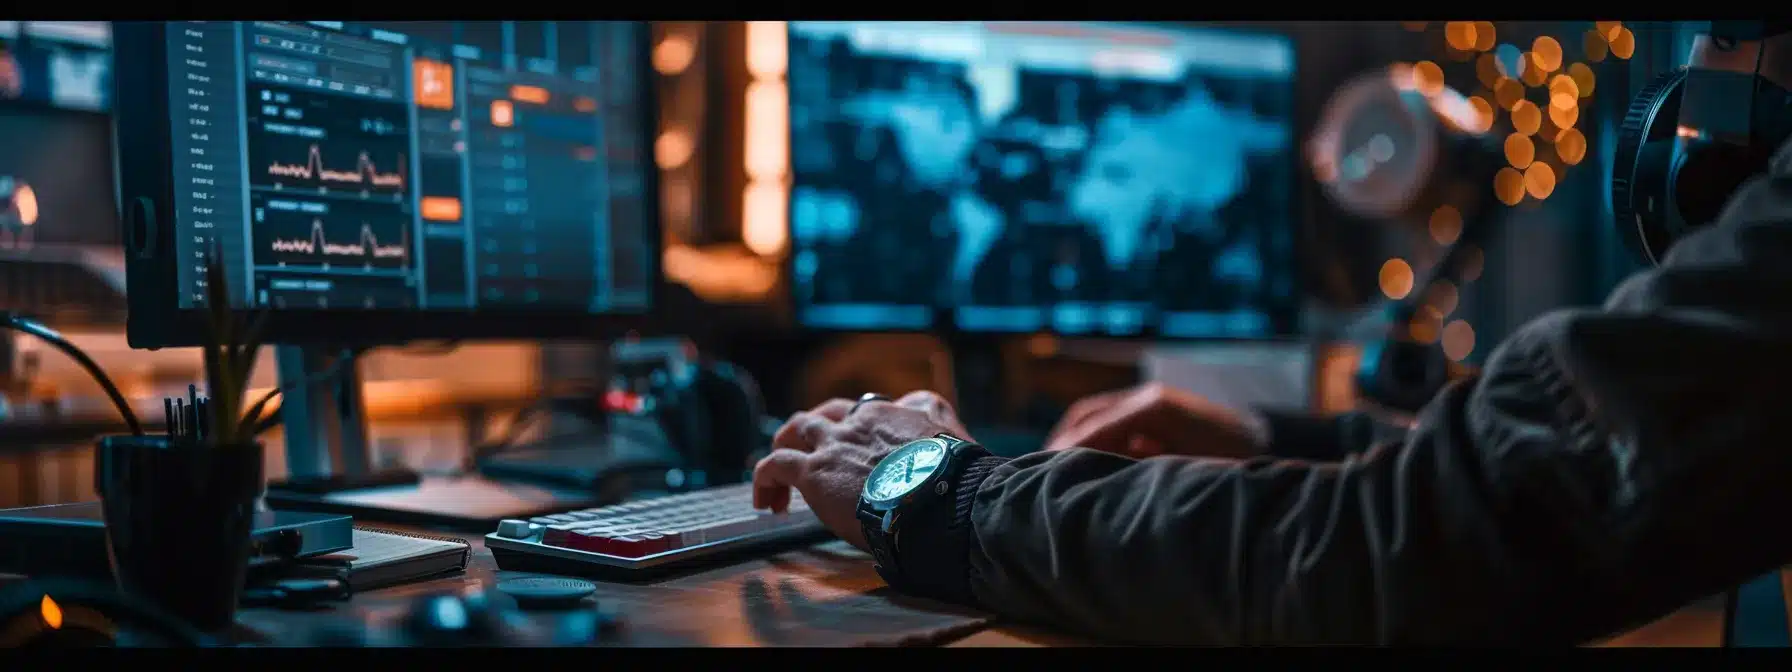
939 550
1301 436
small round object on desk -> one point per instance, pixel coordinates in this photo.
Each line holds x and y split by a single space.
547 592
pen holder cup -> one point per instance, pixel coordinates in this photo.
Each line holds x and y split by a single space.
178 517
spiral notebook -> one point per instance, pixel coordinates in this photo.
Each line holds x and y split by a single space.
383 558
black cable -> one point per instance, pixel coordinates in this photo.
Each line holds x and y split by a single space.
27 325
335 369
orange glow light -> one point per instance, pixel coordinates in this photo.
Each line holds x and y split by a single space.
1484 36
1607 30
1460 35
1583 79
1571 146
1459 340
1595 45
1472 261
441 208
50 612
1428 78
584 104
1624 44
1446 224
1483 114
1540 180
24 200
1396 278
529 94
1443 297
503 114
673 54
1548 53
1520 151
1564 110
1564 83
1534 72
1508 185
1526 118
1508 93
1487 69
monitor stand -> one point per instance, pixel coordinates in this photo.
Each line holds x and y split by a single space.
976 385
330 463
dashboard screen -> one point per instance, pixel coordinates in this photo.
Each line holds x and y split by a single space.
1099 179
413 165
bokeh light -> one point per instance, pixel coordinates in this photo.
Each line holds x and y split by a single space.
1446 224
1508 185
1564 83
1564 110
1520 151
1607 30
1546 53
1460 35
1425 325
1484 114
1583 79
1487 69
1443 297
1510 60
1571 146
1459 340
1472 263
1428 78
1396 278
1624 44
1539 180
1484 36
1414 26
1595 46
1508 93
1534 72
1526 118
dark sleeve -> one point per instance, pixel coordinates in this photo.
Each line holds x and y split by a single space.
1609 466
1323 438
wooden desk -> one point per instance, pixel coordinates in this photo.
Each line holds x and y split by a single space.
825 595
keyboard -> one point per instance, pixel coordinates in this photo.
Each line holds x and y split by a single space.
650 536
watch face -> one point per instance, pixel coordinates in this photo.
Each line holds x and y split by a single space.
904 470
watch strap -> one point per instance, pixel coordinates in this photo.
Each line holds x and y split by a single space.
936 543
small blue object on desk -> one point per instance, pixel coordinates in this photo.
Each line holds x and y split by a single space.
546 592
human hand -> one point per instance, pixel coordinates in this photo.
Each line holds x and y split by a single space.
827 453
1154 419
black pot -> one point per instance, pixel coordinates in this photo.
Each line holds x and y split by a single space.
178 516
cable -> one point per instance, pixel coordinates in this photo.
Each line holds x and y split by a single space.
27 325
274 418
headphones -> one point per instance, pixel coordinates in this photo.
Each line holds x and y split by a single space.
1694 135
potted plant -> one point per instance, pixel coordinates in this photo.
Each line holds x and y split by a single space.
179 505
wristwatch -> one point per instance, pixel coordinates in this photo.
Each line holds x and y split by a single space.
911 490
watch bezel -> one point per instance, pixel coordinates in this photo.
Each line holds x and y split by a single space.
886 504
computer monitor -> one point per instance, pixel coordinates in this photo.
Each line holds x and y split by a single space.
1076 178
374 183
368 184
59 255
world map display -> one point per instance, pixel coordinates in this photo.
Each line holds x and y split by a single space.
952 168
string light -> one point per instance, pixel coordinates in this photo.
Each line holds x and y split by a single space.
1520 151
1563 115
1446 224
1459 340
1483 113
1396 278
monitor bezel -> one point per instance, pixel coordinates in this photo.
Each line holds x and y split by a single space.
1284 321
142 141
